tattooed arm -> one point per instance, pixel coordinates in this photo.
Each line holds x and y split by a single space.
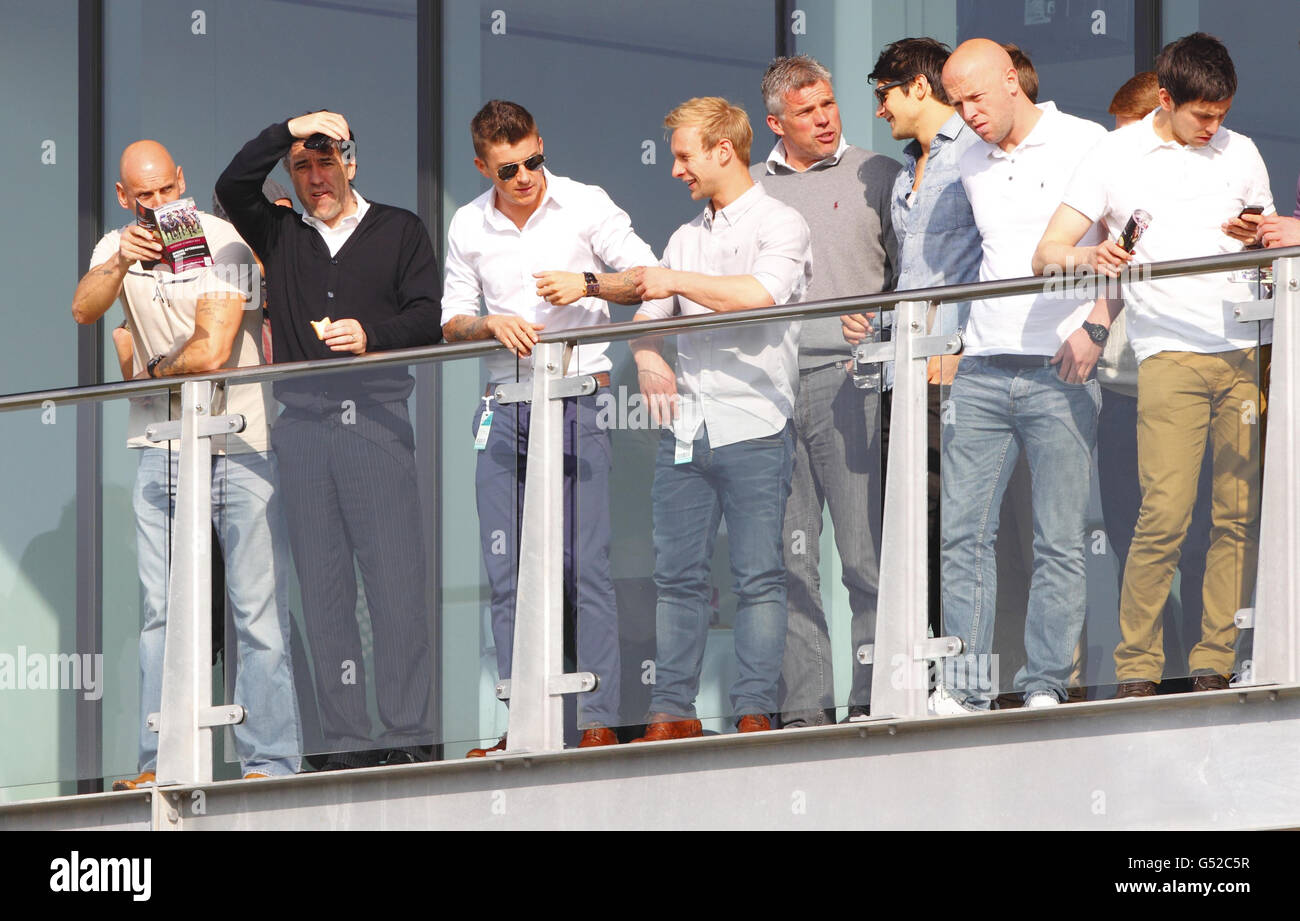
101 286
515 333
562 288
216 325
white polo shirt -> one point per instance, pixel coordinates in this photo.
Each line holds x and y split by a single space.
574 229
1013 195
739 382
1189 192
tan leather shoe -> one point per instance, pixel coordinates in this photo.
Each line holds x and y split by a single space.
753 722
591 738
484 752
146 779
1136 689
663 727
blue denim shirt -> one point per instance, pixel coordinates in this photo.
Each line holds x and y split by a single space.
938 242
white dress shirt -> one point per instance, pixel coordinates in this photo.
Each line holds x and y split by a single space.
335 237
1189 192
1013 196
777 157
574 229
739 381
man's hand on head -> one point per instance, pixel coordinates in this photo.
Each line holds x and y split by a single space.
330 124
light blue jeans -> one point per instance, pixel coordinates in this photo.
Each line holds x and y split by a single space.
250 523
748 483
999 409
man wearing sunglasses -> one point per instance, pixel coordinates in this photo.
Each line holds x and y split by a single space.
534 247
344 439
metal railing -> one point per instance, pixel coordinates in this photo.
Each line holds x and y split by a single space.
187 716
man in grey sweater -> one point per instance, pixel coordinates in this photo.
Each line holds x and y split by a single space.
843 192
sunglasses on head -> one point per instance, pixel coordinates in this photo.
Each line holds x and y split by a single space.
347 149
507 172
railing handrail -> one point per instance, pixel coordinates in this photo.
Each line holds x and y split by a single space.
612 332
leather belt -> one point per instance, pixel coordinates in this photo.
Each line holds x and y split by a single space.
602 380
1018 362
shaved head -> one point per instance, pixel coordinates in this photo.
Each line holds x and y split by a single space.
981 54
146 172
983 86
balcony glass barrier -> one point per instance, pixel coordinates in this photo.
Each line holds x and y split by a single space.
70 686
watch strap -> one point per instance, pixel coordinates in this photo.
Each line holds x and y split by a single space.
593 286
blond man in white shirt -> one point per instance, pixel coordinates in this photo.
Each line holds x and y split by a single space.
729 447
530 247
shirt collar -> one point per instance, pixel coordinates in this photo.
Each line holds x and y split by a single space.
949 131
557 194
777 157
350 222
1152 141
734 211
1041 133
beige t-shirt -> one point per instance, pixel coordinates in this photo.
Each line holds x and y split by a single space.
160 310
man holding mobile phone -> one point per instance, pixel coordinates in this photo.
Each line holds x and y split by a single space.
1198 373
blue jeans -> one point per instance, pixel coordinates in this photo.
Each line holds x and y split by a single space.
998 410
500 476
249 521
748 482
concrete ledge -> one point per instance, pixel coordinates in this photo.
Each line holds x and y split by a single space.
1228 759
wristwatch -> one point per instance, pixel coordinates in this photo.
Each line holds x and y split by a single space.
1096 332
154 363
593 286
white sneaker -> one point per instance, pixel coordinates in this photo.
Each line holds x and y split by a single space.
942 703
1042 699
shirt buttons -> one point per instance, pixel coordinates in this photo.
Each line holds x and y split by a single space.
334 262
329 293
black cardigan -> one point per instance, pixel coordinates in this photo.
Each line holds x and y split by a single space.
385 276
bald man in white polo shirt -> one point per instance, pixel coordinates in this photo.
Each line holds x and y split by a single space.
1024 384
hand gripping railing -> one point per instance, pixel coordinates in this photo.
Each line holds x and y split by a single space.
535 724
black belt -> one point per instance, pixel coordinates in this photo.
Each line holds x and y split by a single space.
1018 362
602 380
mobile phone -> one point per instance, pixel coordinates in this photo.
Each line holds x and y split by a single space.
1251 209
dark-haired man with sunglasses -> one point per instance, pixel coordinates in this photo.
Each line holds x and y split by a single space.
534 247
344 439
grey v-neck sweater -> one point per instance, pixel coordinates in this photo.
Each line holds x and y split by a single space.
854 249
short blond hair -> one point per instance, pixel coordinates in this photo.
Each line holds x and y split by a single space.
717 119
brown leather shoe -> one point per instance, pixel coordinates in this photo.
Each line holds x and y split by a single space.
1136 689
146 779
663 727
1209 683
484 752
753 722
591 738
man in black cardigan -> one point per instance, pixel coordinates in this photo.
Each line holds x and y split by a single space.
344 439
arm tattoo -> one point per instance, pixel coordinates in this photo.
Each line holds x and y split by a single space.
460 329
